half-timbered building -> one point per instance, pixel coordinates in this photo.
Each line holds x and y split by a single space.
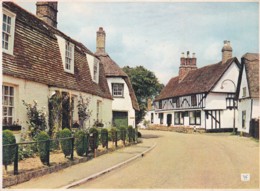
200 97
39 62
248 105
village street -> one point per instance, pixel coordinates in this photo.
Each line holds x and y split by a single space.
188 161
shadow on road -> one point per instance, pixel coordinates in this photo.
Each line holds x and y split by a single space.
148 136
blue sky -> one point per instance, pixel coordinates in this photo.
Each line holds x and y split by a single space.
154 34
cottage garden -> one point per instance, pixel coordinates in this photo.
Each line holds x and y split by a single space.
49 146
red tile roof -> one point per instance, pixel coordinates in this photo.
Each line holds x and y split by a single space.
201 80
251 63
37 56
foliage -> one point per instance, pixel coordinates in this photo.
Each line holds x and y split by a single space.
139 135
146 123
66 144
131 133
83 110
37 119
113 133
67 107
145 85
122 133
81 142
42 147
104 137
8 151
94 132
55 107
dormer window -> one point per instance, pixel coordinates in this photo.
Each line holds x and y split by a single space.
8 31
69 57
118 90
95 70
67 54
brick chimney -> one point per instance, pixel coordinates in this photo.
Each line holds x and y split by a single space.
226 51
47 11
187 64
101 40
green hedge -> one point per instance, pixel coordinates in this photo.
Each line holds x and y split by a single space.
66 145
94 132
8 151
104 137
122 133
113 132
43 148
81 142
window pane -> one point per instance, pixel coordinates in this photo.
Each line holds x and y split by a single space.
4 27
4 18
4 121
9 122
9 20
11 91
10 111
5 100
6 46
8 28
4 111
11 101
6 90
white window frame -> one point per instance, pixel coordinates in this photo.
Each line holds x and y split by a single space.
8 104
69 57
244 119
116 91
10 42
96 71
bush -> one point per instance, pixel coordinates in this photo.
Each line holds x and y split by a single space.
8 151
81 142
131 132
43 148
66 144
94 143
104 137
139 135
113 132
123 133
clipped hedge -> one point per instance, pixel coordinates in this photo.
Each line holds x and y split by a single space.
94 138
122 134
113 133
66 144
43 147
104 137
131 133
8 151
81 142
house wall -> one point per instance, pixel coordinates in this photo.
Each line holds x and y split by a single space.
244 105
216 101
124 103
256 108
29 91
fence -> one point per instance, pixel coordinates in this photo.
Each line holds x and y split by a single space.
254 128
92 143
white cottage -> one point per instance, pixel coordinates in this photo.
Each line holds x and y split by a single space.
200 97
124 100
248 105
40 62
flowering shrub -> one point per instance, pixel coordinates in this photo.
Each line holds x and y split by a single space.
83 110
37 119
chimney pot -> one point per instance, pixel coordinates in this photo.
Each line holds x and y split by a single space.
226 51
100 41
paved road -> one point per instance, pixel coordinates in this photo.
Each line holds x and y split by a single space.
188 161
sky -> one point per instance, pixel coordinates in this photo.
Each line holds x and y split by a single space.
154 34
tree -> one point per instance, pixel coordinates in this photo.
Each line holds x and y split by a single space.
145 85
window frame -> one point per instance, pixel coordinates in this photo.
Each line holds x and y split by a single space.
195 116
69 52
180 117
244 92
113 90
96 70
244 119
8 106
193 100
12 30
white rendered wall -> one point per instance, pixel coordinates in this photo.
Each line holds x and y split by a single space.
256 108
215 101
244 105
124 103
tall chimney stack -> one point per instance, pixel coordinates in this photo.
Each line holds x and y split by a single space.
187 64
226 51
101 40
47 11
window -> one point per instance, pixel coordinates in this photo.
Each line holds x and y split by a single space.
160 104
193 100
95 71
177 102
98 110
244 119
178 118
8 105
195 117
69 56
161 118
8 31
151 117
244 92
118 90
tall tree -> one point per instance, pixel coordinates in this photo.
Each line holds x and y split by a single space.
145 85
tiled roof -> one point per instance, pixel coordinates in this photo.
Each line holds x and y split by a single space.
113 70
37 56
251 63
201 80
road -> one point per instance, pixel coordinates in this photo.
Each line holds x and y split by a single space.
188 161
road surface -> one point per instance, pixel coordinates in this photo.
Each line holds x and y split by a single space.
188 161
